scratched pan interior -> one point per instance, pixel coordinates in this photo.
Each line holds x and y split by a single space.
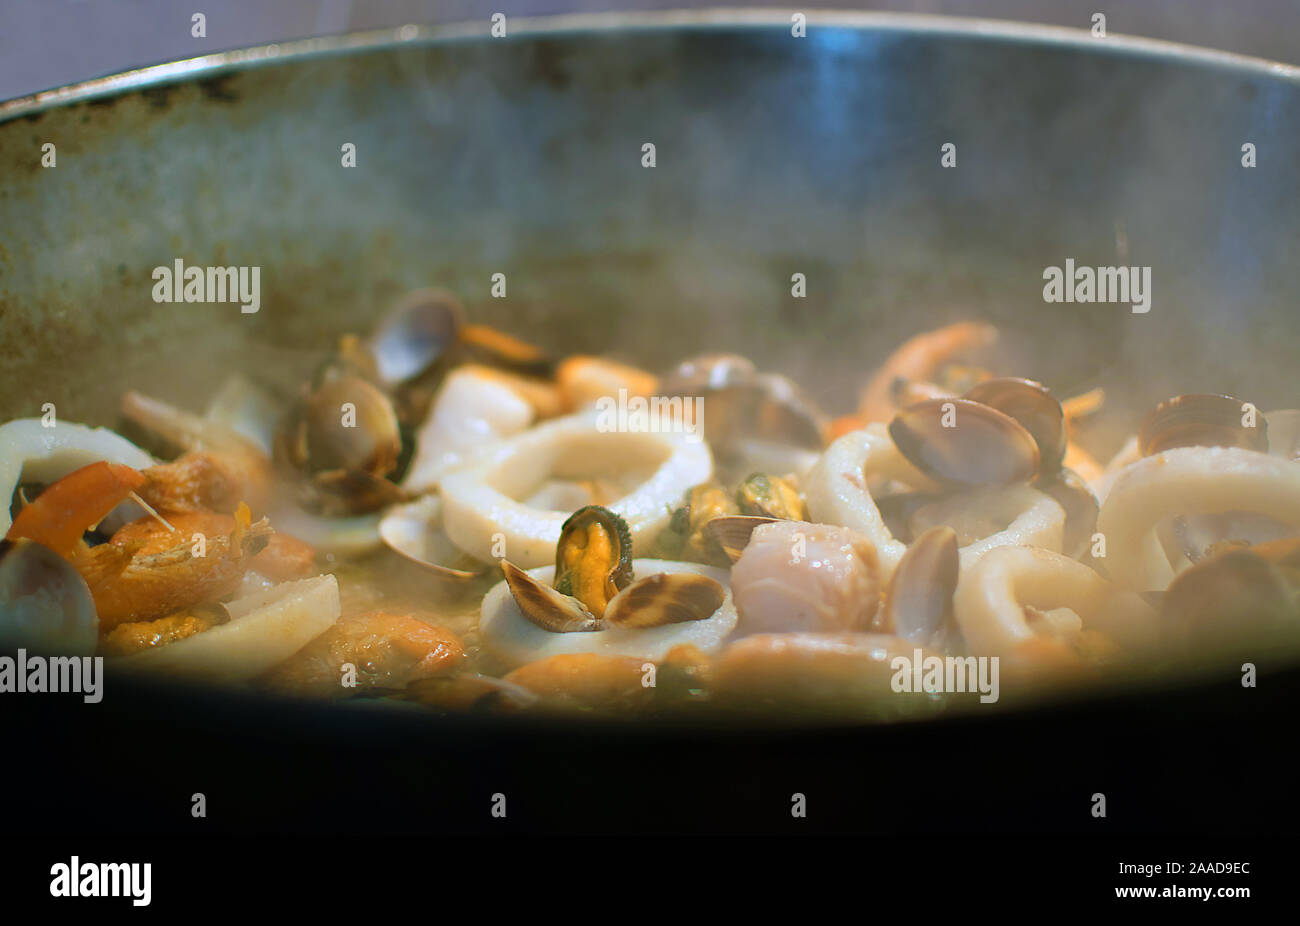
775 155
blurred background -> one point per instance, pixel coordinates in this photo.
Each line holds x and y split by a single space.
47 43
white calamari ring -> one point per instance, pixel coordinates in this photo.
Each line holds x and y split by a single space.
31 451
990 601
470 411
514 639
837 493
265 628
1188 481
1032 518
481 501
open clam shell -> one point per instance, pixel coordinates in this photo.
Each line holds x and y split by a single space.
959 441
414 531
741 404
1034 406
918 601
45 605
1201 420
418 332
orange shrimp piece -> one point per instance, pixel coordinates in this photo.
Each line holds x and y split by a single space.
134 636
71 506
285 558
147 571
587 679
388 651
844 425
919 358
195 481
229 455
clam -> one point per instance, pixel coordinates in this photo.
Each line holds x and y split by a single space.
420 330
45 605
414 531
708 373
1201 420
345 438
770 497
732 532
1229 597
741 404
545 607
665 598
1034 406
983 446
918 600
898 509
350 358
1081 508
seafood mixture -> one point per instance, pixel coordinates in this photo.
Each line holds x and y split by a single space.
446 517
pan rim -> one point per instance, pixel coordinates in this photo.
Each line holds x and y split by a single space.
220 62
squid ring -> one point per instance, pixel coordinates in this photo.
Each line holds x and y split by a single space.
30 450
510 636
1189 481
480 501
265 628
991 598
837 493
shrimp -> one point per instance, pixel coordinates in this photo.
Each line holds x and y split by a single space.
387 650
134 636
68 508
285 558
608 682
592 680
147 571
195 481
221 464
836 673
919 359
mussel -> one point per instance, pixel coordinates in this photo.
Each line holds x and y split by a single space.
593 558
1202 420
963 442
665 598
490 346
687 535
594 589
545 607
770 497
